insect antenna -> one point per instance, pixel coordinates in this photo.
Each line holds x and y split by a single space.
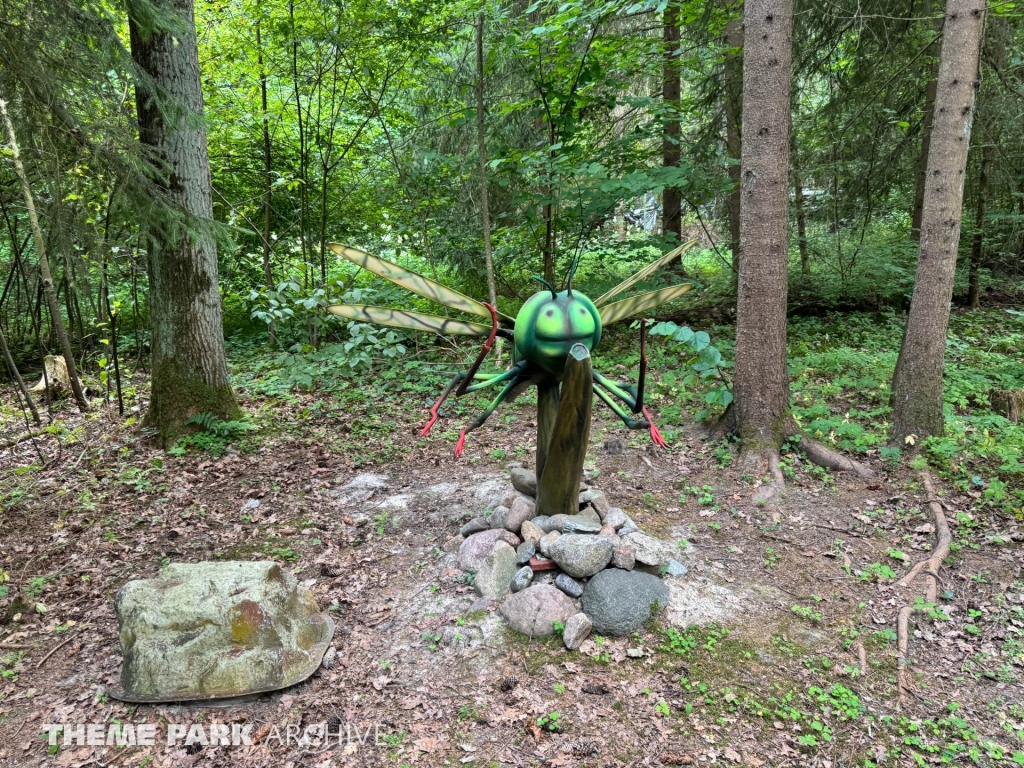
550 287
572 273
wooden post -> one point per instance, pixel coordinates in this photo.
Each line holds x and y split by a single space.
559 482
547 411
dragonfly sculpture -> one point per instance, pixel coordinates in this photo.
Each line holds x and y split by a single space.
544 333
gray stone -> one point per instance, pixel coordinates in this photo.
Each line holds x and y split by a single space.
675 568
522 579
520 512
609 531
524 552
541 521
480 604
475 525
615 518
496 572
635 653
214 630
530 532
601 505
498 517
619 602
361 488
589 495
553 523
623 557
649 550
569 585
453 544
535 610
545 543
580 524
475 549
524 481
628 527
581 555
577 629
591 515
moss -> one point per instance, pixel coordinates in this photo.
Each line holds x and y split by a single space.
177 396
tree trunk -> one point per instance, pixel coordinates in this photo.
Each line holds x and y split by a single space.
44 264
761 383
16 375
481 145
917 380
189 370
927 119
268 189
671 200
988 152
732 76
801 217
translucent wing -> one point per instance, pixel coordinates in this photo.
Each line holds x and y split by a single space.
415 283
643 274
412 321
631 306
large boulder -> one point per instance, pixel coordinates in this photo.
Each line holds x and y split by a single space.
475 549
580 555
619 602
216 630
494 578
535 610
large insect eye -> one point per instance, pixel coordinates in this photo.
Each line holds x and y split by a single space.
550 313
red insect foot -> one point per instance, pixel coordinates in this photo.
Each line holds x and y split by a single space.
656 437
430 424
461 444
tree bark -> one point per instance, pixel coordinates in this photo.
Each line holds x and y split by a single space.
801 217
481 145
732 77
44 264
917 380
988 152
761 383
268 189
671 200
927 118
189 369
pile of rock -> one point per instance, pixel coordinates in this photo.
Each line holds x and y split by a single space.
591 571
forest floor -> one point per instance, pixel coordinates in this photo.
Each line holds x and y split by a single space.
778 647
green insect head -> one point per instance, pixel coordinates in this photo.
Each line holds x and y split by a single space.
550 323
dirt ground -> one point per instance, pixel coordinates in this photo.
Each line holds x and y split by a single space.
778 647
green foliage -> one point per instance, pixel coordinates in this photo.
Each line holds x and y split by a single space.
706 365
214 434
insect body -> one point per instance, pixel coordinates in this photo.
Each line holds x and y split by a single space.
549 324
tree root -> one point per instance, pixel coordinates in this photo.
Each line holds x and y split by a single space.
825 457
21 438
930 567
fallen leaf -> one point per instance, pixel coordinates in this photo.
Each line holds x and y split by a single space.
733 755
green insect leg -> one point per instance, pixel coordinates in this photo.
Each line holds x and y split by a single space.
479 420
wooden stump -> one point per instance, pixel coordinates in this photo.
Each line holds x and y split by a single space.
1008 402
55 381
559 478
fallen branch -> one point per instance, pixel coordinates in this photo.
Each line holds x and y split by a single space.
825 457
930 568
43 660
22 438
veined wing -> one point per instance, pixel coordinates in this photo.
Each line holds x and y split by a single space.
620 310
644 273
412 321
415 283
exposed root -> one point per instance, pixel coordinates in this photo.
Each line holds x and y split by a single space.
930 567
758 462
825 457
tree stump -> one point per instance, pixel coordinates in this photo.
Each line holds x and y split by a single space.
558 482
55 379
1008 402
